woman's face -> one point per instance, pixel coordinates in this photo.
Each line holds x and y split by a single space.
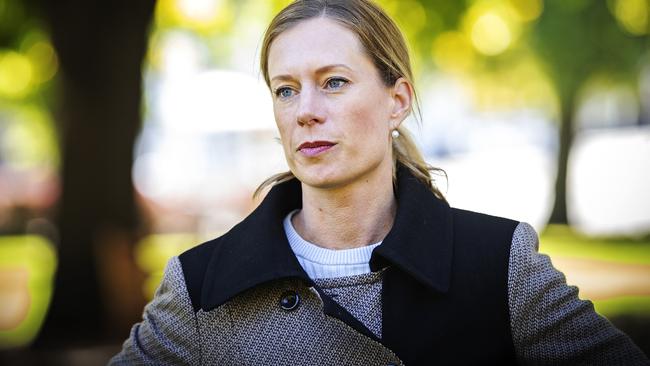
334 113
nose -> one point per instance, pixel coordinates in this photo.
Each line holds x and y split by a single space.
309 108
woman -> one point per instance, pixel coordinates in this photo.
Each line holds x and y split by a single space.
354 257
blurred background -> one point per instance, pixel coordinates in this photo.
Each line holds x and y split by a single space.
131 131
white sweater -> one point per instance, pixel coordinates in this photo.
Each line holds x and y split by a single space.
320 262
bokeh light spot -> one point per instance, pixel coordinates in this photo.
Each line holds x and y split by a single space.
15 75
35 257
527 10
29 140
43 57
412 16
202 16
452 52
632 15
490 34
199 10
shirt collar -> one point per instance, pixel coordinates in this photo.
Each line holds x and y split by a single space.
256 250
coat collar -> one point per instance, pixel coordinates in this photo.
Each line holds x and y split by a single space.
257 251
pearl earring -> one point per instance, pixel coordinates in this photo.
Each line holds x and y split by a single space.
395 134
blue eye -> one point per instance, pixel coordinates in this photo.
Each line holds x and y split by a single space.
336 83
283 92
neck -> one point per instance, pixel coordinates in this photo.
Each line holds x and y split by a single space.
352 216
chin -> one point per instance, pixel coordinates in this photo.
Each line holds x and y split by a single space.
320 177
319 181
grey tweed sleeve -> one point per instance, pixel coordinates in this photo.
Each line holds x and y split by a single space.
550 324
168 332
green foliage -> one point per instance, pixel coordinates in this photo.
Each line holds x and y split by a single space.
28 65
153 252
576 39
638 306
12 20
28 139
421 22
562 240
27 265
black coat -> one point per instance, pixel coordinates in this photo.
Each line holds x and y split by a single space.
458 288
444 292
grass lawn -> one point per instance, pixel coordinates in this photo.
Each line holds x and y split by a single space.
562 241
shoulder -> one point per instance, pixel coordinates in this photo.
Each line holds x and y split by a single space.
548 319
167 333
475 227
520 237
480 220
482 244
194 263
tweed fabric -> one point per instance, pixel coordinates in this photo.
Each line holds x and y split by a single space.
360 295
168 332
262 333
252 329
550 324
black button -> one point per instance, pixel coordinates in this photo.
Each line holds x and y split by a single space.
289 300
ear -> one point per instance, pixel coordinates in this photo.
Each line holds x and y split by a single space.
402 96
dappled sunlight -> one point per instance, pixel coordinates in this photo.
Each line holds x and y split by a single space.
16 75
27 265
23 71
154 251
28 140
452 52
632 15
490 34
527 10
43 57
492 26
522 85
203 16
199 10
409 14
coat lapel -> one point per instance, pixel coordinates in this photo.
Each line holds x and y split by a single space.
421 241
257 251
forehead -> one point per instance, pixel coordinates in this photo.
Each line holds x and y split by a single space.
314 43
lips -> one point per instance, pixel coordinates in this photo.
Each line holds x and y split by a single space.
313 148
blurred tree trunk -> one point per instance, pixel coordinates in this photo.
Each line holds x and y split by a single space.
101 46
559 212
577 40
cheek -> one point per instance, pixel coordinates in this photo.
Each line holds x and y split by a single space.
369 120
286 128
283 124
370 124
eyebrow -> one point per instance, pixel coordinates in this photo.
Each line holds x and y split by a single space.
320 70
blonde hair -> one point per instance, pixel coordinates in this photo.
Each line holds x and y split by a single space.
383 43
